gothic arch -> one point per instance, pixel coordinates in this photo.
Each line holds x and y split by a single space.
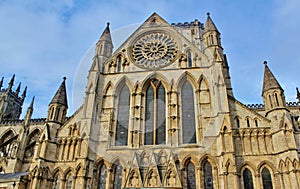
186 76
58 171
244 165
108 89
187 159
165 82
68 171
99 162
124 80
115 160
210 159
266 164
7 132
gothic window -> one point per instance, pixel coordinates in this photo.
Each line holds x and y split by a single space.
271 105
248 122
188 114
8 144
211 39
248 181
276 98
155 123
117 176
123 117
208 176
237 122
256 123
190 176
70 182
189 59
267 179
33 137
119 63
102 177
56 182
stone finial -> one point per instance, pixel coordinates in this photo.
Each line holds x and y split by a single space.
24 94
18 89
11 83
265 62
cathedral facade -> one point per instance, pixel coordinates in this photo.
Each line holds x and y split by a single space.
158 112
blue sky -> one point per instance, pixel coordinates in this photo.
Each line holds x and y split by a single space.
43 41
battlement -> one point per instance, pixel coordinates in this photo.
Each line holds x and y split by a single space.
189 24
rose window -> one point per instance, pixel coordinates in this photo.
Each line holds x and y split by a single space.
154 51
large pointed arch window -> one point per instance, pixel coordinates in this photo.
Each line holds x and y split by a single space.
248 180
117 176
267 179
208 176
123 117
102 177
155 114
191 178
188 114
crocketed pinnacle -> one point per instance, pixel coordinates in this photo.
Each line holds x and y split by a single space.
60 96
209 25
270 82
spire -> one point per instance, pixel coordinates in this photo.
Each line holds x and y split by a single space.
1 82
298 94
106 34
209 25
24 94
270 81
31 104
60 96
11 83
18 89
104 45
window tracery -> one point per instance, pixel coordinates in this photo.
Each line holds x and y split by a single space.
155 113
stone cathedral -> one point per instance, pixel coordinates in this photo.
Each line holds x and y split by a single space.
158 112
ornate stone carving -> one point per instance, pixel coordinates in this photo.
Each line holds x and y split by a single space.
154 50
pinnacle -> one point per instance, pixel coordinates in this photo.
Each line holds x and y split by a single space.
209 25
60 96
270 82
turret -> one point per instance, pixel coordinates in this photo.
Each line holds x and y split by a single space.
104 49
272 92
211 35
59 105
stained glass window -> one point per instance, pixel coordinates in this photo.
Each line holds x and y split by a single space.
102 177
188 114
208 176
155 115
191 181
123 117
248 181
267 179
69 182
56 183
117 176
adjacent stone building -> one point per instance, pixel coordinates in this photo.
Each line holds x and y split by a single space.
158 112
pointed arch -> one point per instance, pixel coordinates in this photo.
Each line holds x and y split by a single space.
248 178
237 120
8 143
117 174
188 115
102 174
155 113
108 89
123 116
33 137
184 77
190 174
164 80
124 80
57 176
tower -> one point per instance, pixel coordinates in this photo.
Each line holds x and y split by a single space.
58 106
272 92
10 101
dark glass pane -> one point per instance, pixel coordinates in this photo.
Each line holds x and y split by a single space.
188 114
248 181
149 117
102 177
123 117
117 177
119 62
189 59
70 182
267 179
191 181
160 116
208 176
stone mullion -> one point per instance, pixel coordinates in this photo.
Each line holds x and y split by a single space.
67 151
136 120
199 117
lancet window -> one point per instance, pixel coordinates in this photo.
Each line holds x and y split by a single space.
102 177
248 180
267 179
155 114
188 114
123 117
208 176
